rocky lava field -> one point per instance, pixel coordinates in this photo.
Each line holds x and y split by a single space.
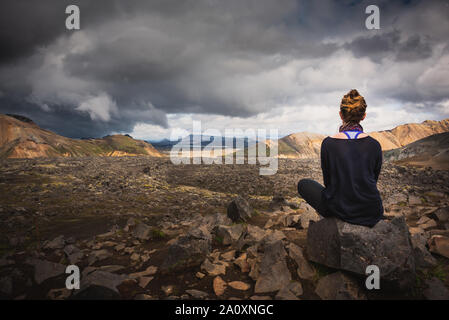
143 228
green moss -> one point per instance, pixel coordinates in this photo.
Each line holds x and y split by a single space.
321 271
437 272
218 239
157 234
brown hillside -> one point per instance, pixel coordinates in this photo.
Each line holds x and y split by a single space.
20 138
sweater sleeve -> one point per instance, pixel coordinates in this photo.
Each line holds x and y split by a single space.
325 164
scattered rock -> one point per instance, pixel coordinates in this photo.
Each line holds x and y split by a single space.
260 298
229 234
274 273
111 268
305 270
197 294
435 290
6 285
339 286
442 214
242 263
56 243
168 290
239 285
99 285
5 262
295 287
239 210
213 269
144 281
59 294
349 247
135 257
439 245
44 270
279 201
187 251
428 225
219 286
414 200
143 296
308 216
423 258
142 231
149 271
289 292
98 255
228 256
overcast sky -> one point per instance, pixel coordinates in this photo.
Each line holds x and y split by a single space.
147 67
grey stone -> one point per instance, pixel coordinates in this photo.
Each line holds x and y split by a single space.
308 216
56 243
101 279
274 273
305 270
211 221
339 286
6 285
239 210
142 231
435 290
44 270
98 255
197 294
414 200
439 245
186 251
285 294
349 247
59 294
442 214
229 234
423 258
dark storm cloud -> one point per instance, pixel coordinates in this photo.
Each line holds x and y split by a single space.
136 61
379 46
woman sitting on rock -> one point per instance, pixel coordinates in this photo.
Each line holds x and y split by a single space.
351 161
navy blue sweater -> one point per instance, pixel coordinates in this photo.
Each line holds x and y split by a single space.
351 168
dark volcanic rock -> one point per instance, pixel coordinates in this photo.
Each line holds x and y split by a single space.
99 285
274 273
239 210
188 251
44 270
435 290
142 231
345 246
279 201
339 286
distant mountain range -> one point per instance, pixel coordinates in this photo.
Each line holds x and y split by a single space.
188 141
305 145
424 144
20 137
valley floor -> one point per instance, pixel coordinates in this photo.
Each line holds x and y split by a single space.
91 211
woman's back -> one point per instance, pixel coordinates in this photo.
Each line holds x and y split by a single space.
351 168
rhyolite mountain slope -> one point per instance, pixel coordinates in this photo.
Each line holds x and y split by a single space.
305 145
407 133
432 151
20 137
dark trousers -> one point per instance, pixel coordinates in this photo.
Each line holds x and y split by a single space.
310 190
